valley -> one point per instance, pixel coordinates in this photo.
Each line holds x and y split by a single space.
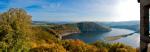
18 33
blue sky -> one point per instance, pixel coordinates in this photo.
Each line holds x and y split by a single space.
76 10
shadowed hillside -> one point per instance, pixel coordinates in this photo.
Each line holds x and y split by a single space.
132 25
92 27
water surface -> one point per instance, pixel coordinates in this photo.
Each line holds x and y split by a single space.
132 40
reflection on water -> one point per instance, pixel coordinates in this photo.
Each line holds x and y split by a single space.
117 34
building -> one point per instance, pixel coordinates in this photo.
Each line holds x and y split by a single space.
144 25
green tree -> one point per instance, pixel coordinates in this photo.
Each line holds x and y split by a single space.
14 29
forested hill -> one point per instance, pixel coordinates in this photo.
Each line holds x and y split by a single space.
132 25
92 27
80 27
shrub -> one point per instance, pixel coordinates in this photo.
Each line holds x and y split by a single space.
49 48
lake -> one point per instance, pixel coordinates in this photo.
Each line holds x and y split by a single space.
132 40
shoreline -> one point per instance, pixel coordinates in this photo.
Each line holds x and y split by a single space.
66 34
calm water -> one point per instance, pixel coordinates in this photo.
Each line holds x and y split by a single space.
132 40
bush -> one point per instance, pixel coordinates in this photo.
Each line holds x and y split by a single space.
121 50
78 46
49 48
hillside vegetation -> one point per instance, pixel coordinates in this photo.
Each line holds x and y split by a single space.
18 35
60 30
92 27
131 25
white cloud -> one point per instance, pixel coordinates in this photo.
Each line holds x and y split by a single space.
127 10
121 10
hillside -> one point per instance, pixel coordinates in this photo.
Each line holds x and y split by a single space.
70 28
132 25
65 29
92 27
80 27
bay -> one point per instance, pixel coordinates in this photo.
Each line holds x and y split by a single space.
132 40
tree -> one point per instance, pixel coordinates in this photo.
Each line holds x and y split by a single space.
14 28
